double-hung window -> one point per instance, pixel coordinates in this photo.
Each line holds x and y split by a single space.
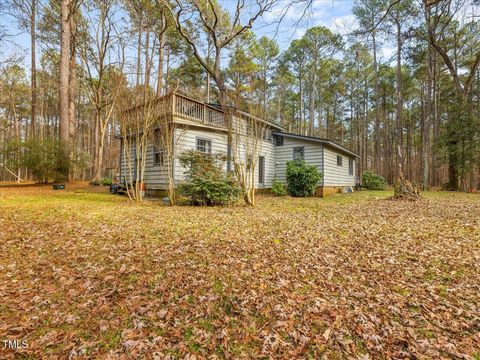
278 140
299 153
204 145
339 160
158 157
261 170
157 149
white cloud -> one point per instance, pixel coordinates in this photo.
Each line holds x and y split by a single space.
388 51
344 25
299 32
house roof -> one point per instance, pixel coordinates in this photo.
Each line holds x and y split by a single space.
318 140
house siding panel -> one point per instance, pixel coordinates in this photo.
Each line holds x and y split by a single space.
322 156
186 139
283 154
337 175
267 150
155 176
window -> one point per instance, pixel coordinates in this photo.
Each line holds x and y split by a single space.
299 153
278 140
157 152
157 157
204 146
261 170
339 160
350 166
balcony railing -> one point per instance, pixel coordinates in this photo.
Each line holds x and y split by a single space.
179 106
189 109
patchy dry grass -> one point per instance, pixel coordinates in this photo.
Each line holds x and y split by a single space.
86 274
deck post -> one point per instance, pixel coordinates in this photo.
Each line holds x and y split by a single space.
204 113
173 104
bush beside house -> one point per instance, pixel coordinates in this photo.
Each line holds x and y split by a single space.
302 179
278 189
205 181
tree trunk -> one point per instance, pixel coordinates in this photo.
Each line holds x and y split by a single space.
428 115
147 63
400 165
72 123
160 65
139 55
64 73
377 107
313 94
99 167
301 104
33 68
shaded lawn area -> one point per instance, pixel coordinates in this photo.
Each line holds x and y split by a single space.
87 274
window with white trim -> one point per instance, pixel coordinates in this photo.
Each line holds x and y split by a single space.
204 145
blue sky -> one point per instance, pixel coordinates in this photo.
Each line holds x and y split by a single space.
334 14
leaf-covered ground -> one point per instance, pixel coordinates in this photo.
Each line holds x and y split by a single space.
86 274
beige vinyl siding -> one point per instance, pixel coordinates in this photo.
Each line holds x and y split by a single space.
267 150
337 175
186 139
127 171
154 176
283 154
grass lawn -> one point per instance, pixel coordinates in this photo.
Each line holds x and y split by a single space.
87 274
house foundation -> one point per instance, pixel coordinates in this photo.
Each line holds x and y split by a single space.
323 191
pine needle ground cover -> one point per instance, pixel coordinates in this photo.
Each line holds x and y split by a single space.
87 274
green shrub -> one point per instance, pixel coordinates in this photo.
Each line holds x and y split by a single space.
372 181
205 181
41 156
278 189
302 179
107 182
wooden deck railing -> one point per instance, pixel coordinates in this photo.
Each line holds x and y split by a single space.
192 110
183 107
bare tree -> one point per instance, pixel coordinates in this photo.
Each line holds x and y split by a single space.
438 23
446 11
246 143
201 21
26 12
137 126
103 55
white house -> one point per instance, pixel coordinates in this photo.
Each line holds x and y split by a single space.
202 127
